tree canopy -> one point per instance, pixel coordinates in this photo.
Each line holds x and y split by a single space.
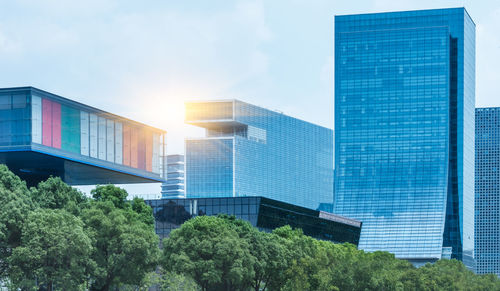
286 259
55 251
53 237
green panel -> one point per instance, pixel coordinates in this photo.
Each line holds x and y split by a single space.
70 129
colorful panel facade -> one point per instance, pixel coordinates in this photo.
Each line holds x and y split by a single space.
80 132
43 135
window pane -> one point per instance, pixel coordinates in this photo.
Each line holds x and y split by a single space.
5 102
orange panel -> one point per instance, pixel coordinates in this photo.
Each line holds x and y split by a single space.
134 139
149 151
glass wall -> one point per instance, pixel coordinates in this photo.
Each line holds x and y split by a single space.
402 130
487 200
14 119
260 152
266 214
209 168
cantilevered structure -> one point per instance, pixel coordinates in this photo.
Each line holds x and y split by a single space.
43 135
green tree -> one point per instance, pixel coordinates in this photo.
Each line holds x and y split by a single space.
448 275
55 251
55 194
171 281
116 195
267 250
15 204
144 211
125 248
209 250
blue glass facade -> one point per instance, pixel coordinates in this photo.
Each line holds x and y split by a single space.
252 151
404 131
487 223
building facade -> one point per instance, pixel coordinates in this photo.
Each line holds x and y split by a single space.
487 204
404 131
174 186
263 213
43 135
252 151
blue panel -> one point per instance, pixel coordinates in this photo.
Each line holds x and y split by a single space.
15 122
403 131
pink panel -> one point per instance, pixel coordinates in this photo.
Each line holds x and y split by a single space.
46 122
56 125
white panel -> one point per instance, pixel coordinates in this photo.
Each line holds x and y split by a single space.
110 140
156 153
93 135
101 139
36 119
118 143
84 133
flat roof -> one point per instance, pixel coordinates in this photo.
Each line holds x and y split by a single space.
79 105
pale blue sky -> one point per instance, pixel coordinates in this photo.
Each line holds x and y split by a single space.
143 59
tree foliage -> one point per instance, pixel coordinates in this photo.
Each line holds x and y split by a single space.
125 245
52 237
55 251
286 259
211 252
15 203
55 194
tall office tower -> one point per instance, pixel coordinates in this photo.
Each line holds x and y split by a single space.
174 186
404 131
252 151
487 223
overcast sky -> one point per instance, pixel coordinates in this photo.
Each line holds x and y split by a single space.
143 59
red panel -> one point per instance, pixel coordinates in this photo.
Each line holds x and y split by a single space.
46 122
126 145
149 151
56 125
134 147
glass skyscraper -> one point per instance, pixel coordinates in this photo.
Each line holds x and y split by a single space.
404 131
252 151
487 224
